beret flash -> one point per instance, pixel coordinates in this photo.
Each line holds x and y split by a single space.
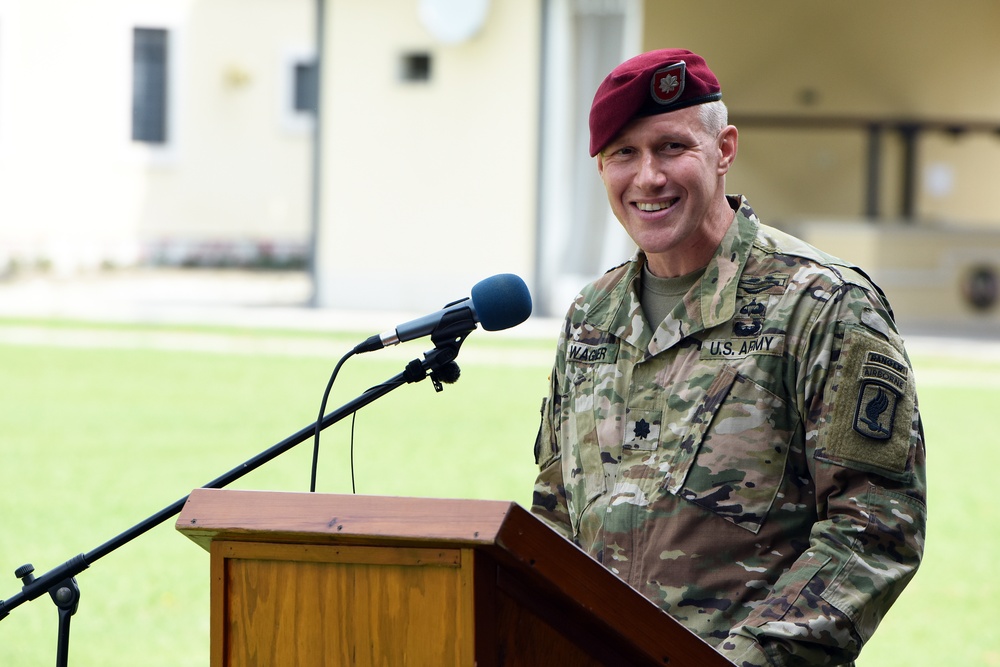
648 84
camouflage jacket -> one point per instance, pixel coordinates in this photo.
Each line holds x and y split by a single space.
754 464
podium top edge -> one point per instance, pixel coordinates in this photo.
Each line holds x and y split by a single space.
271 515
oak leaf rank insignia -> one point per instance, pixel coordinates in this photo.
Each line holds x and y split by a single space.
667 84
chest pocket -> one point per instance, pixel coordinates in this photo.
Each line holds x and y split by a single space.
732 458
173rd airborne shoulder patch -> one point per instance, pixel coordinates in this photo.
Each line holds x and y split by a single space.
873 406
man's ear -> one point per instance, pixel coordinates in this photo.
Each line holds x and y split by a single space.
729 140
600 164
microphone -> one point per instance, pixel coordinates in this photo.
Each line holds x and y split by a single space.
498 302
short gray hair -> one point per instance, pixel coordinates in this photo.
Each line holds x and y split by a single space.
714 116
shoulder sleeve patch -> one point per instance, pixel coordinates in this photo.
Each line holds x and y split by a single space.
546 449
872 407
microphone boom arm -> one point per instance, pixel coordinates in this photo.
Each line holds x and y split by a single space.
447 337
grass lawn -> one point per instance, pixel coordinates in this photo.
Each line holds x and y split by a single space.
94 439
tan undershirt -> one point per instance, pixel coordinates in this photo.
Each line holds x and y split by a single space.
659 296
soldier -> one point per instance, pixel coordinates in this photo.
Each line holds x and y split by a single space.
732 425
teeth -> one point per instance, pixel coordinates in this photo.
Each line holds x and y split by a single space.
643 206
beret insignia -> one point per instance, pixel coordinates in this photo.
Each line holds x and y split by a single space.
668 83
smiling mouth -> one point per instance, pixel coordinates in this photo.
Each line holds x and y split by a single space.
652 207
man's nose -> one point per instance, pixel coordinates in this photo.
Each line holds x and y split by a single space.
652 172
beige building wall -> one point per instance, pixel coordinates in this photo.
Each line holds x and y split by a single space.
893 59
68 192
918 59
427 187
430 186
241 169
77 193
937 278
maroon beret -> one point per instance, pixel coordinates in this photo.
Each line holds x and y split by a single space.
648 84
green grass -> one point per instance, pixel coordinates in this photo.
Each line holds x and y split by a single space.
95 440
942 617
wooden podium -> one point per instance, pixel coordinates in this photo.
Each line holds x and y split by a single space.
308 580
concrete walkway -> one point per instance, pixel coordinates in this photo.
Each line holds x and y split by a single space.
238 298
279 300
270 302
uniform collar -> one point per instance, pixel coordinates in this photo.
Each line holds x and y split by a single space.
722 275
711 302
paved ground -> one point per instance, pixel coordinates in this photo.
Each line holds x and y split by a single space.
267 300
280 300
198 296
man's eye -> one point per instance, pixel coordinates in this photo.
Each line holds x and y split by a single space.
673 147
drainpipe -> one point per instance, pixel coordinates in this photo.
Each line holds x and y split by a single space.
317 159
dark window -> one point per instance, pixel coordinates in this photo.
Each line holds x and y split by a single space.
149 85
305 91
416 67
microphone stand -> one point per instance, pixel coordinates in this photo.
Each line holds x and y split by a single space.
60 582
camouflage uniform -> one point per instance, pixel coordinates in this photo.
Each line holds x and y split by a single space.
754 465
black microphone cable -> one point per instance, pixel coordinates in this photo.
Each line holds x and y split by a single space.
319 426
447 373
498 302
